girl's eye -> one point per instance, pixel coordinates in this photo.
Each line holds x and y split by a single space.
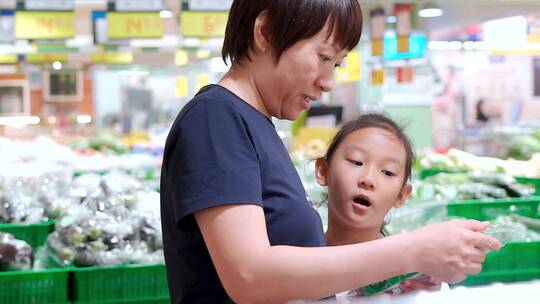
388 173
356 162
338 65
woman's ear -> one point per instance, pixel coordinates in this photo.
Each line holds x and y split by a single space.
321 167
261 34
403 195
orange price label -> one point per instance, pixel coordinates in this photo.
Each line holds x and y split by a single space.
134 25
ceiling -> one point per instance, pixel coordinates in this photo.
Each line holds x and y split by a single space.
463 12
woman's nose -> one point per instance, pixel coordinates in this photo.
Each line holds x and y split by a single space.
326 83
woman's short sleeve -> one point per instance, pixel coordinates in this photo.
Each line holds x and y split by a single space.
213 160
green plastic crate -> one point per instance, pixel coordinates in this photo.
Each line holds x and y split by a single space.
516 261
120 284
489 209
34 234
511 276
535 182
425 173
45 286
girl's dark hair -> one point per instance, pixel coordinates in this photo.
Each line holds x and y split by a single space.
290 21
380 121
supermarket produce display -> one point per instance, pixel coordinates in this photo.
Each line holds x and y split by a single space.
111 220
79 226
463 186
14 254
85 219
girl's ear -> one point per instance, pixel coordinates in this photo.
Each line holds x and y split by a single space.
261 35
321 167
403 195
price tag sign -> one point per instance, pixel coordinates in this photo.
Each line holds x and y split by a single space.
377 47
377 77
134 25
44 25
181 86
203 24
405 74
8 58
350 72
113 58
181 57
201 80
403 44
41 58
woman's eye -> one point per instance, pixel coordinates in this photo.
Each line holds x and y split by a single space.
356 162
338 65
388 173
325 58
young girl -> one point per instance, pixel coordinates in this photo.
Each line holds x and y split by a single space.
367 170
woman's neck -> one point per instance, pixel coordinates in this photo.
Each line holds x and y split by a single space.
345 235
240 81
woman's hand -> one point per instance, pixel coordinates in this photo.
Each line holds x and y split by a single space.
451 250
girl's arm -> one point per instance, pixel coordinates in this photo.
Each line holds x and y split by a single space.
253 271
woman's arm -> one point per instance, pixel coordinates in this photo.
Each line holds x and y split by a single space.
253 271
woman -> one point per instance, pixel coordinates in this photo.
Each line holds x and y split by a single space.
237 225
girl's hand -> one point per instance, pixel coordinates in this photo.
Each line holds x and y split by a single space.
427 283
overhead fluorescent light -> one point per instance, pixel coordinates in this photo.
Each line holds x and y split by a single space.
84 119
19 120
445 45
57 65
430 11
165 14
134 73
165 41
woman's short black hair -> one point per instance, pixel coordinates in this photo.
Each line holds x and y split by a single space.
290 21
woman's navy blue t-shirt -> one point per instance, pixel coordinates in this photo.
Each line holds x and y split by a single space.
222 151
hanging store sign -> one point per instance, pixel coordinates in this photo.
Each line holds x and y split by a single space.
405 74
43 58
403 26
134 25
113 58
203 24
181 57
377 76
403 44
417 47
201 80
8 58
181 86
350 71
377 28
44 25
